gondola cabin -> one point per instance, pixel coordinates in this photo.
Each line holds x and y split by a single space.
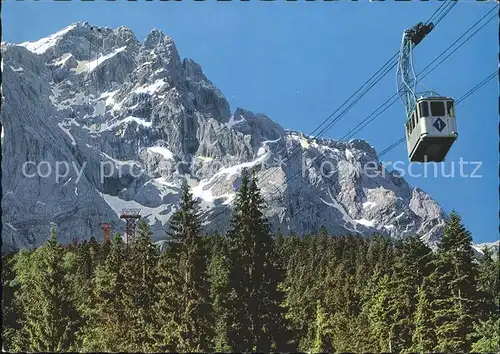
431 129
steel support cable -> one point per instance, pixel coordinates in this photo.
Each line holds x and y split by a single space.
451 3
361 125
466 40
461 99
482 83
438 10
385 70
377 77
392 146
298 148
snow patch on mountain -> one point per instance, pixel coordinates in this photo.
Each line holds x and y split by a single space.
17 69
163 151
161 213
91 65
205 158
367 223
232 121
43 44
130 119
68 133
367 205
492 246
152 88
62 60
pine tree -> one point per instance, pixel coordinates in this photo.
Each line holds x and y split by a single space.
48 316
424 336
107 322
455 288
380 312
139 269
301 292
488 335
117 238
166 318
79 292
409 269
104 251
380 254
270 329
323 341
219 270
195 317
256 313
489 284
11 328
241 255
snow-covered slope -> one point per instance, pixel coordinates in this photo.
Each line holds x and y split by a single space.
492 246
101 98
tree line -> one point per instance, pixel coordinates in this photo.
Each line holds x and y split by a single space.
252 290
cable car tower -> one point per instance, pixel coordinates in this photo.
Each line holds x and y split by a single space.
430 118
131 216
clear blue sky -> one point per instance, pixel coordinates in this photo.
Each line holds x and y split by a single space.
297 62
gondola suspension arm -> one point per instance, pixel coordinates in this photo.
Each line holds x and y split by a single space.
407 80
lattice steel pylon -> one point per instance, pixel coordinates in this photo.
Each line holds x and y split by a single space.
106 229
406 77
131 216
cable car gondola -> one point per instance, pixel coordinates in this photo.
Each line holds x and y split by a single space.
431 127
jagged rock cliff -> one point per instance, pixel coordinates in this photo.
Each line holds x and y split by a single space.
132 121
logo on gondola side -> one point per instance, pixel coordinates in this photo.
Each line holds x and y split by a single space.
439 124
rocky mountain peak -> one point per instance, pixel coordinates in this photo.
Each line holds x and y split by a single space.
91 97
156 38
193 71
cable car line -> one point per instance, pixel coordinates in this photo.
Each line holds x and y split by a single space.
431 128
389 65
385 69
443 9
450 5
461 99
393 99
399 141
482 83
392 146
466 40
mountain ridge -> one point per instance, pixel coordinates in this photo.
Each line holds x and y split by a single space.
95 96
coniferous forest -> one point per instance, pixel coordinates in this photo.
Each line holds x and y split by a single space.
251 290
